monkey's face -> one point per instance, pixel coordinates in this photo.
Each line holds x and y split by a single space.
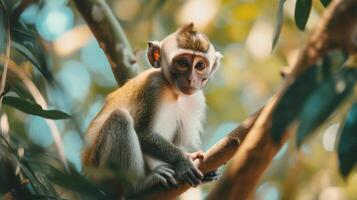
186 58
189 72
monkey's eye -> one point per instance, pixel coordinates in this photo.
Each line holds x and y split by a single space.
183 62
200 66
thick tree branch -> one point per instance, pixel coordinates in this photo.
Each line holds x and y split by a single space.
110 36
336 29
215 157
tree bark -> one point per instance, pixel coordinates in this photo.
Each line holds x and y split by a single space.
110 36
336 29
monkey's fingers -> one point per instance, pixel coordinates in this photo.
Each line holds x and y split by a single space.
169 170
170 177
162 180
197 172
196 181
188 180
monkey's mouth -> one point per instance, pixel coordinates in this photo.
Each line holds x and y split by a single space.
187 90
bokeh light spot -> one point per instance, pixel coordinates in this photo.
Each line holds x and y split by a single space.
29 16
127 10
75 80
268 191
39 131
200 12
220 132
329 137
54 21
93 56
259 40
93 110
73 144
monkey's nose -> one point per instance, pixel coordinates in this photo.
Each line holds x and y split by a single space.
190 79
191 82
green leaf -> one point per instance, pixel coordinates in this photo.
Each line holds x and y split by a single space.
302 12
295 96
324 101
20 90
33 108
25 40
290 104
325 2
14 83
347 147
279 23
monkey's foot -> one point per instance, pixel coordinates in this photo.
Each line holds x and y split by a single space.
166 175
212 176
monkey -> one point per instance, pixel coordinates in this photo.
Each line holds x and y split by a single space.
150 127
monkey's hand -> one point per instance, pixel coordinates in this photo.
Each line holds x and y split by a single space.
210 176
187 171
164 174
197 155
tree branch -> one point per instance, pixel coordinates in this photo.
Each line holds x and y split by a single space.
336 29
110 36
215 157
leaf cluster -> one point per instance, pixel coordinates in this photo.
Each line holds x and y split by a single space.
313 97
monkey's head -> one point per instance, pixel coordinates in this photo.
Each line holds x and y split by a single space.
186 57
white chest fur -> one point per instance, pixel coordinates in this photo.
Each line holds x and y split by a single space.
189 112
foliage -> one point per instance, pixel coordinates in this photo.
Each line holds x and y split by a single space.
28 170
34 108
348 142
316 94
301 14
321 104
22 174
313 97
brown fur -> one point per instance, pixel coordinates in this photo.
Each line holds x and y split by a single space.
128 96
188 38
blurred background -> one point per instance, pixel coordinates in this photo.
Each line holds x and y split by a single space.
242 30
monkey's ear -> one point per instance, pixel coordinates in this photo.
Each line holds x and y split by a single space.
153 53
217 62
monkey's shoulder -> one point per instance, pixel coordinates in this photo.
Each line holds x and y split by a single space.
150 82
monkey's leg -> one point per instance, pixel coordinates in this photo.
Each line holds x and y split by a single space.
119 145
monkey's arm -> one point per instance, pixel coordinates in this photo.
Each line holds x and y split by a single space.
156 146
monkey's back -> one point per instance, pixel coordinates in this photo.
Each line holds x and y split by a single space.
128 97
